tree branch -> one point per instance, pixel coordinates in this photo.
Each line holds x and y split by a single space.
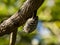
20 17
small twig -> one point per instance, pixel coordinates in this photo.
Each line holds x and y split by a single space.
13 37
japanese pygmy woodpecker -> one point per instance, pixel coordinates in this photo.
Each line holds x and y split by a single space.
31 23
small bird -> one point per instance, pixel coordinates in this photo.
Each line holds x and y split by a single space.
30 24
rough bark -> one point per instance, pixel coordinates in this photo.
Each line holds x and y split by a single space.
20 17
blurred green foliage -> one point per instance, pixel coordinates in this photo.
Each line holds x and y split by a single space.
49 11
